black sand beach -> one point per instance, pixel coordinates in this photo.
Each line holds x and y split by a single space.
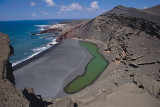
48 74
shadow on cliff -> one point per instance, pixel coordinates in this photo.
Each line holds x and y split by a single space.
35 100
9 74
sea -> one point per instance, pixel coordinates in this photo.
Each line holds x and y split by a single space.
25 44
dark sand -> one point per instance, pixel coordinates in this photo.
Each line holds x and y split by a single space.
48 74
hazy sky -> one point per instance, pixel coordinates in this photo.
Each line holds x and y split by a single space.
63 9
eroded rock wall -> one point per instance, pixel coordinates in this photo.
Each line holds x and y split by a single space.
9 95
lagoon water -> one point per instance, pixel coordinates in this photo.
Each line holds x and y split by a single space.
25 45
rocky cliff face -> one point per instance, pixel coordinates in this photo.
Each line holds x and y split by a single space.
9 95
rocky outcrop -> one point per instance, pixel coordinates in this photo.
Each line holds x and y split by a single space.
9 95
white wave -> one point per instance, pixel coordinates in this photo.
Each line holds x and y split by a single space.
53 42
57 26
18 62
42 27
37 51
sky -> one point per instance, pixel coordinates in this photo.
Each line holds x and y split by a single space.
63 9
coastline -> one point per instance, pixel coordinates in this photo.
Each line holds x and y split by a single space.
44 29
70 77
55 66
34 56
55 27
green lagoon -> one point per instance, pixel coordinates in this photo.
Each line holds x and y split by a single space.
94 68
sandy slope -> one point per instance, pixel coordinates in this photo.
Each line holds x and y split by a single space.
128 95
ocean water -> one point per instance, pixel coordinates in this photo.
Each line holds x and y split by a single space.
26 45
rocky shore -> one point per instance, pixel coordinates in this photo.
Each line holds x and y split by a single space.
62 27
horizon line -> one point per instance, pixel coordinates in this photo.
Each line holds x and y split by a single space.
45 19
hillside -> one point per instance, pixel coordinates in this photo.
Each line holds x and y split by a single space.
129 38
155 10
118 17
119 24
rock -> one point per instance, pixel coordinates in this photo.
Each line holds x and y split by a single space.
133 65
35 100
141 86
9 95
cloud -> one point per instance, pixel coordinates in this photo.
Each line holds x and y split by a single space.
32 4
93 6
44 13
71 7
76 7
145 7
50 2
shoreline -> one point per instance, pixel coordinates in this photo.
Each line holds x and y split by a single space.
33 57
62 25
18 64
71 76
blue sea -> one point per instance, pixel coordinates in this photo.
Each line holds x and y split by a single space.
26 45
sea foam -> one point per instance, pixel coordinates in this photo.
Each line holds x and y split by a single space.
37 51
42 27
